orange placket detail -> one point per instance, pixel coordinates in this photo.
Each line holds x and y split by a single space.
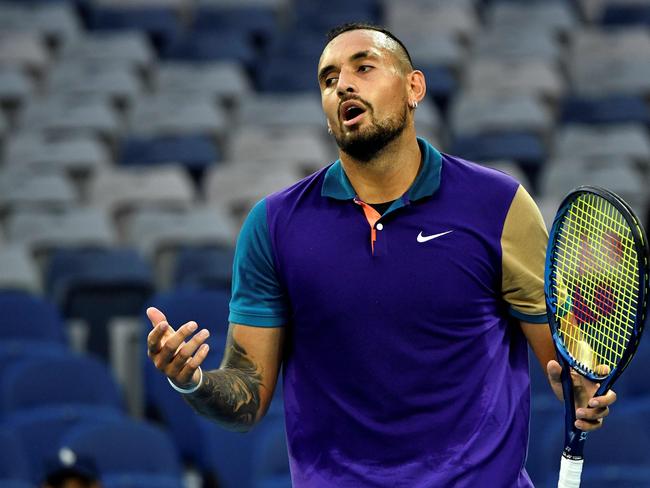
372 216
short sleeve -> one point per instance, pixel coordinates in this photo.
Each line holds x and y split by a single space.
257 297
523 245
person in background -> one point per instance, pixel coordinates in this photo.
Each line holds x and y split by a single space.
71 471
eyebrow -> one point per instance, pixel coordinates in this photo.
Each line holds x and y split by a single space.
354 57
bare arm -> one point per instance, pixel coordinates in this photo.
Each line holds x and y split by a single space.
541 342
237 394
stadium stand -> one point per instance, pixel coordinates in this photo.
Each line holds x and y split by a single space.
40 430
19 271
62 380
203 267
14 464
136 134
30 317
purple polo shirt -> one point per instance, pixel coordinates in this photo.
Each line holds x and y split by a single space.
403 364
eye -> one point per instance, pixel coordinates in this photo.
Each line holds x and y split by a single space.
364 68
330 80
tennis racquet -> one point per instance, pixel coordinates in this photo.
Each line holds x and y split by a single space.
596 288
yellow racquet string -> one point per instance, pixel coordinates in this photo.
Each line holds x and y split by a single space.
596 283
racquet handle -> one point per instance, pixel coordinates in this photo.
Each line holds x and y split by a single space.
570 471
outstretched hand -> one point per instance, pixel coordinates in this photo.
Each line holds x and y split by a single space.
172 354
590 410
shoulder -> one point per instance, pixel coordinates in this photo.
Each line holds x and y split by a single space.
485 186
476 173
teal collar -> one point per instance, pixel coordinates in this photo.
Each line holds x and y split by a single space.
337 185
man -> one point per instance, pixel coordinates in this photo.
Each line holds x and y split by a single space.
398 287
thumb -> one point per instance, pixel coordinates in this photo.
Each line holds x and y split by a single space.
554 371
155 316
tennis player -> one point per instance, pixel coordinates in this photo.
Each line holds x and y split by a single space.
398 287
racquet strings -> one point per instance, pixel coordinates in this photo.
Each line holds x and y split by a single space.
595 284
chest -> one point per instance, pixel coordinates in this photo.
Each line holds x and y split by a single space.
427 258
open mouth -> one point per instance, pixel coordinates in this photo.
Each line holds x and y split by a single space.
351 112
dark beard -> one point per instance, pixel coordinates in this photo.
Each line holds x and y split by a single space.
365 145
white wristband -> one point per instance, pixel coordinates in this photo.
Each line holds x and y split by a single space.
186 391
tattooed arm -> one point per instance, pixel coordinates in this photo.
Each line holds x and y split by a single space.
237 394
240 391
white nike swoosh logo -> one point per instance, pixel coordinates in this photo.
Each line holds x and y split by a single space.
422 238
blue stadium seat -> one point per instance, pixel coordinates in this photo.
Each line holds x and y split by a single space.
546 416
209 308
211 46
195 152
526 149
607 110
258 22
441 85
623 476
521 147
13 351
228 459
14 463
315 17
14 483
270 459
61 380
300 41
28 317
287 73
142 481
159 22
204 267
630 14
40 430
97 285
125 447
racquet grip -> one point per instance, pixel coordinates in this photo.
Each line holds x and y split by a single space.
570 471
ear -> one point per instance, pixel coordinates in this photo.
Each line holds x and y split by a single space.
417 86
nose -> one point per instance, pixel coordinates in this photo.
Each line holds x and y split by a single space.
345 84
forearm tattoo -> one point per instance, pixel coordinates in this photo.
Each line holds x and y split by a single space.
230 395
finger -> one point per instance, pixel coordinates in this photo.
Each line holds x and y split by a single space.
592 414
185 353
588 425
602 369
604 400
554 371
154 339
188 373
171 345
156 336
155 316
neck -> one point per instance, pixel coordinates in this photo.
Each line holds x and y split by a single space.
389 174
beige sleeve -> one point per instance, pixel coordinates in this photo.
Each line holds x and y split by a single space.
523 247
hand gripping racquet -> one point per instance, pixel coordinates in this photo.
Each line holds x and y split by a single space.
596 287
